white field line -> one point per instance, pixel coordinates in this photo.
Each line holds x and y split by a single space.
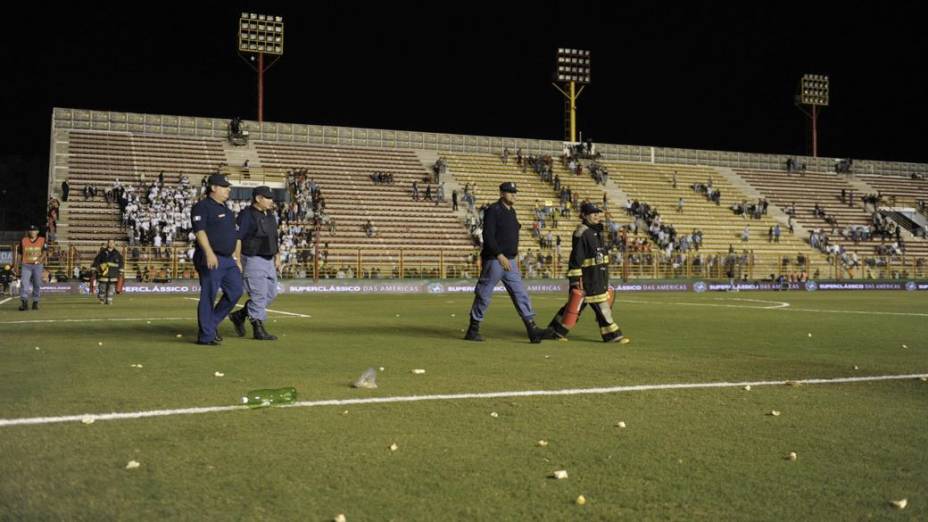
860 312
99 320
776 306
269 310
773 304
452 397
5 301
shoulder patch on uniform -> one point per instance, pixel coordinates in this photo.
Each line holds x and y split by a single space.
197 218
581 228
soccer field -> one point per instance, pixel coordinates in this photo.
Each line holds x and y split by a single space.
686 452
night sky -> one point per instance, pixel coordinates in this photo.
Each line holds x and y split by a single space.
701 76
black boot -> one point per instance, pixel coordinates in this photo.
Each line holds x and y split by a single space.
35 305
238 321
260 333
473 332
535 334
24 305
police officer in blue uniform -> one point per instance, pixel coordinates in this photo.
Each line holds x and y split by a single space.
500 247
257 230
216 259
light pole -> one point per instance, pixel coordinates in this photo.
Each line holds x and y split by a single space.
573 68
813 92
260 35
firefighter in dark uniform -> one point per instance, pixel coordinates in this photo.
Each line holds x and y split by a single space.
109 268
257 230
588 273
216 259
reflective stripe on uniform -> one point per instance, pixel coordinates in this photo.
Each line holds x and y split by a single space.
609 329
576 272
592 261
599 298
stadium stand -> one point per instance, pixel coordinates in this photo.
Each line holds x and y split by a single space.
429 235
841 200
721 227
422 239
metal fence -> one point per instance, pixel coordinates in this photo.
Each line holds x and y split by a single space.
149 264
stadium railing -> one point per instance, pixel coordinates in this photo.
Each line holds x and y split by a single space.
171 263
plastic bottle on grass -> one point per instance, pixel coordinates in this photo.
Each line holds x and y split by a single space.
269 397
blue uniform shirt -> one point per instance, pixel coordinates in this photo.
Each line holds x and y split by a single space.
500 231
219 224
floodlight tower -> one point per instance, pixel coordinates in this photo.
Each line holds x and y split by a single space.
260 35
813 92
573 68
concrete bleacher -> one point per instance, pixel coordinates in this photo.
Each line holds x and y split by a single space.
720 226
428 234
424 231
101 158
905 191
811 188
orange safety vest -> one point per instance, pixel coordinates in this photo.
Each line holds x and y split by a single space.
32 250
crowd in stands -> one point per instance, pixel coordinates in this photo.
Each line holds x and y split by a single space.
599 172
712 194
793 166
843 166
156 215
545 217
650 221
238 135
752 210
583 150
438 169
438 196
382 178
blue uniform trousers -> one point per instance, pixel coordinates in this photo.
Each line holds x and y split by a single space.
226 276
493 273
261 283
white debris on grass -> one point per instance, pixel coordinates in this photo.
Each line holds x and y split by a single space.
774 413
394 447
219 374
620 424
88 419
133 464
747 388
418 371
581 500
792 456
542 444
899 504
559 474
494 414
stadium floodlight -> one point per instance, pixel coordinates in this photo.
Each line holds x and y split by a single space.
260 34
813 92
572 67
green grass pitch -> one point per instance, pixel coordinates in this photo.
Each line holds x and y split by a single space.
707 454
